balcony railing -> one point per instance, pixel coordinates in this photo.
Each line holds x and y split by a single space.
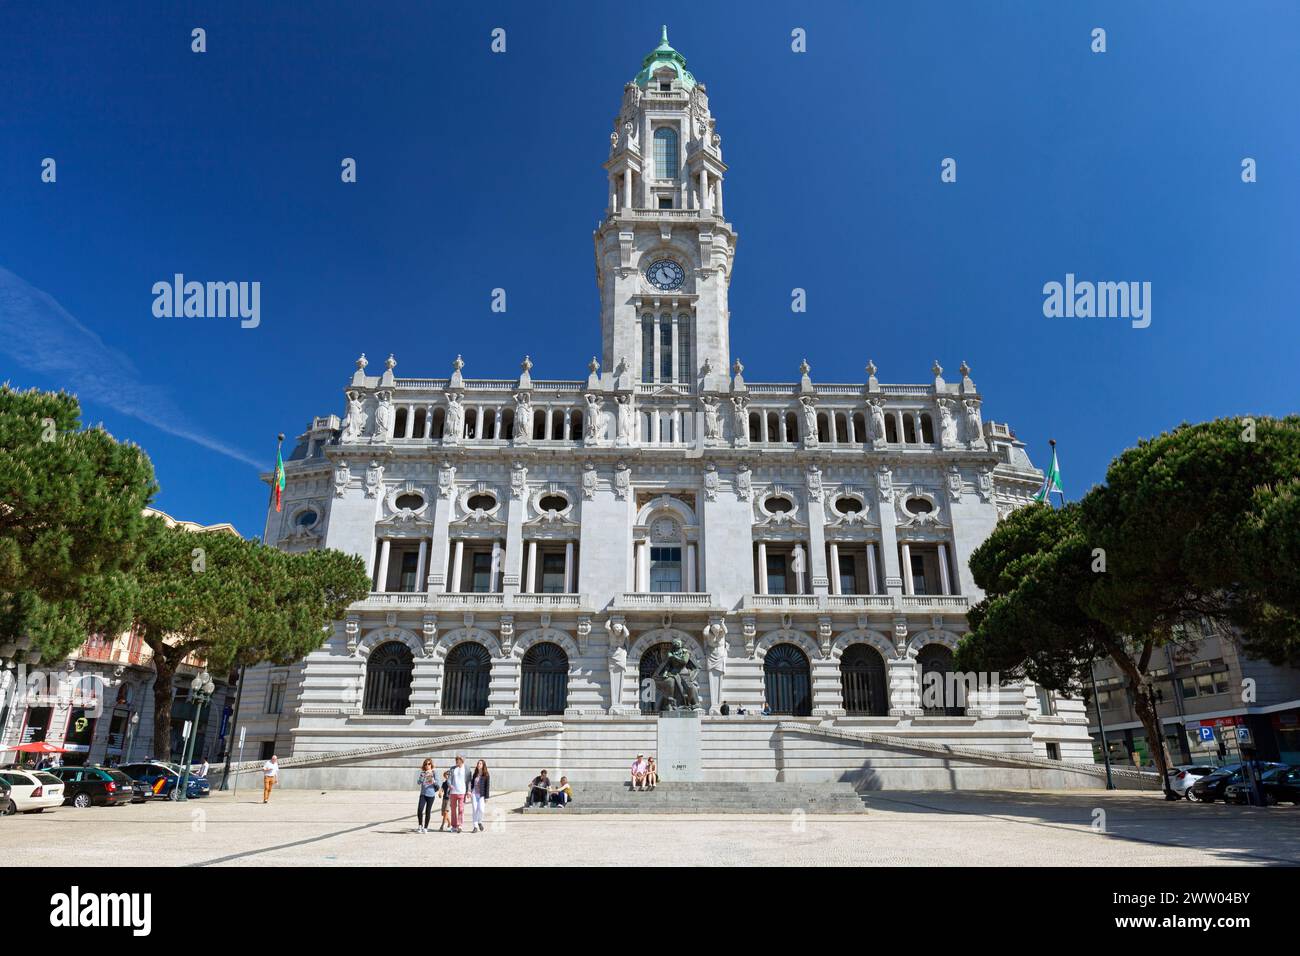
935 602
439 600
664 599
855 602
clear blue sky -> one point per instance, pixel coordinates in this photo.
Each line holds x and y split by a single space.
479 171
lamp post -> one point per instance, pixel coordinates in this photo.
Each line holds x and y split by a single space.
1105 748
201 689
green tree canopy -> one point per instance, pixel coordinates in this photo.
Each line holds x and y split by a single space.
71 503
1193 531
232 601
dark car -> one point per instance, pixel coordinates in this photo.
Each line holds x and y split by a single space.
1210 787
95 786
163 780
1279 785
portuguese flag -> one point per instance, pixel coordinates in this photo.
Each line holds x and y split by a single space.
279 477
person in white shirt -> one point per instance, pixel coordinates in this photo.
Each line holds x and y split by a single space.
203 768
270 771
457 784
639 768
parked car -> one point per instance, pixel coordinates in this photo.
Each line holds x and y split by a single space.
1181 778
1279 785
98 786
163 780
4 796
31 791
1210 787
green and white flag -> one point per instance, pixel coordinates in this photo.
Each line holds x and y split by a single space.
1052 483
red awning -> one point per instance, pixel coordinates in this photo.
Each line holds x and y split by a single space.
39 747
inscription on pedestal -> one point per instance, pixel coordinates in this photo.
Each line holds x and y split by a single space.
678 755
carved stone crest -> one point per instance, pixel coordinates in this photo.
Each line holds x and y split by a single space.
711 482
374 479
622 480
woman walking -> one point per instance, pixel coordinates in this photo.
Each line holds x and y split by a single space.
445 791
478 792
427 781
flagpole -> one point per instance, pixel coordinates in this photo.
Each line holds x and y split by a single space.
1059 490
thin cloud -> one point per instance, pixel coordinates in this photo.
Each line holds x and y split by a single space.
42 336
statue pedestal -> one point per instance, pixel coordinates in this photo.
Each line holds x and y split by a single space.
678 757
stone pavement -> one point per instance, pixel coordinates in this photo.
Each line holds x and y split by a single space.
356 828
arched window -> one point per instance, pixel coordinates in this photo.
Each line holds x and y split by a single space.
646 690
791 428
666 152
941 694
388 679
439 422
647 348
891 429
823 428
575 425
539 424
859 428
862 681
545 684
465 678
927 429
685 369
787 681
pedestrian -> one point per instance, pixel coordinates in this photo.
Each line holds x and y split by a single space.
456 785
270 775
478 793
427 781
445 790
203 768
725 709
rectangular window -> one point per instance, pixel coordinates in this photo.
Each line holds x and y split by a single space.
647 349
665 349
776 574
553 572
275 695
1046 706
665 569
410 566
918 575
481 572
665 202
848 574
684 350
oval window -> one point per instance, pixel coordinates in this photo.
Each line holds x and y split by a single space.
409 502
481 502
776 505
919 506
553 503
848 506
306 519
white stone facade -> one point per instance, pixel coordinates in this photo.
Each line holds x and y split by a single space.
663 497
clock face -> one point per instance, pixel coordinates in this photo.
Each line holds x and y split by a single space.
665 274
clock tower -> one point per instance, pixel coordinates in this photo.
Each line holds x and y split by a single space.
664 250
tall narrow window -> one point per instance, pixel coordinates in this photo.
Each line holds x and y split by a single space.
684 349
666 153
647 348
553 572
481 572
665 569
665 349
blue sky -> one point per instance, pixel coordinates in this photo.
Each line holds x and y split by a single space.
481 170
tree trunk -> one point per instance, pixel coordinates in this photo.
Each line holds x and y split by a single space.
164 673
1145 708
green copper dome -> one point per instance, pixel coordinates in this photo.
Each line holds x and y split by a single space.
661 56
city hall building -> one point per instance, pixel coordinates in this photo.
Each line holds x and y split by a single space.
537 544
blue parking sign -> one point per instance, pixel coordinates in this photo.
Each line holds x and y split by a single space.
1207 734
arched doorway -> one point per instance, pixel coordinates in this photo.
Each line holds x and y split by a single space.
388 679
647 694
465 678
787 681
941 696
862 681
545 684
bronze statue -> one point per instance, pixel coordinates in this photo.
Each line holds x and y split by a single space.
675 680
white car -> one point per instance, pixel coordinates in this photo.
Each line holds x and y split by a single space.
31 791
1182 778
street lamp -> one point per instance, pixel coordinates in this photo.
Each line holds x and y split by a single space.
201 689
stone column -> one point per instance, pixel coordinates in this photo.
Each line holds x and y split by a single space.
689 583
410 421
945 582
420 566
817 546
908 585
704 189
827 694
453 585
873 580
762 567
382 583
835 569
642 566
503 687
568 568
889 547
531 587
627 188
904 687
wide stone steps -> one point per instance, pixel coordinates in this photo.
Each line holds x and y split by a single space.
721 797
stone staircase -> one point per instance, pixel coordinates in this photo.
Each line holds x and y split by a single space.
716 797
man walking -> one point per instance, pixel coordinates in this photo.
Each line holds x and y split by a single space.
457 785
270 772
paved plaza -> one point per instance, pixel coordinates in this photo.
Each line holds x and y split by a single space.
355 828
